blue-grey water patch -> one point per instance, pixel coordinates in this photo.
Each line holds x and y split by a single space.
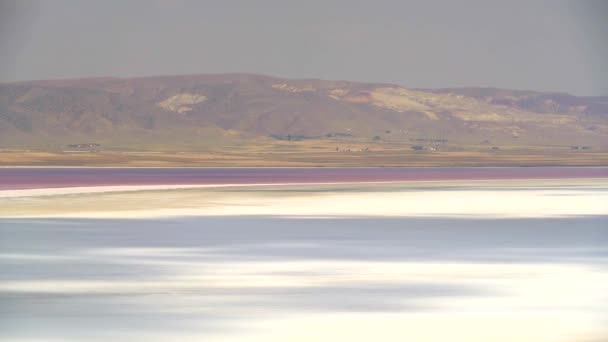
76 279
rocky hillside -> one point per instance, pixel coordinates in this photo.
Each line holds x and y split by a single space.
206 111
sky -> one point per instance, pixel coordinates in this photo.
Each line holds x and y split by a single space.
548 45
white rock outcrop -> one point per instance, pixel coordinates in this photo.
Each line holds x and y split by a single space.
182 102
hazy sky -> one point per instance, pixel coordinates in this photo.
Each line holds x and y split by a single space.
554 45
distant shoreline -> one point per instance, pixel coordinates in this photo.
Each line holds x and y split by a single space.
42 178
308 159
81 190
303 167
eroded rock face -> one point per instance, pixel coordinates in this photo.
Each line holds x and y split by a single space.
397 99
338 94
181 103
292 89
392 98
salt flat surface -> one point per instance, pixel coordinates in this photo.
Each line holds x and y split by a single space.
437 261
515 198
299 279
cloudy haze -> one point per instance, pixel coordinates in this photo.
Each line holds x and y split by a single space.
540 45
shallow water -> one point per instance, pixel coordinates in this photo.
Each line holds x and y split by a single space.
291 279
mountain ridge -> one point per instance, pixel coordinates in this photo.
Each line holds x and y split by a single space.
211 111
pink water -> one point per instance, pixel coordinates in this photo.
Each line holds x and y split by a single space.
32 178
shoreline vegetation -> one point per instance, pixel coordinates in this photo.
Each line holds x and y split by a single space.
305 158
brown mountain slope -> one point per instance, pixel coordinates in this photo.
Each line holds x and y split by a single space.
536 101
208 112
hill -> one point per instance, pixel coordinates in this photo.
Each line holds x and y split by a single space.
242 112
